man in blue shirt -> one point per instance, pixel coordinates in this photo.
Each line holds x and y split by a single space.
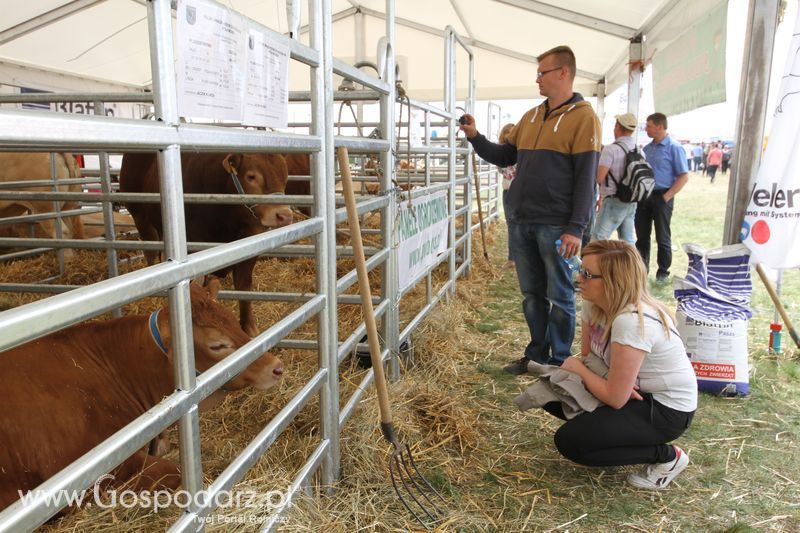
668 160
698 156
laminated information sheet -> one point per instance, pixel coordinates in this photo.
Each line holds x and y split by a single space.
230 69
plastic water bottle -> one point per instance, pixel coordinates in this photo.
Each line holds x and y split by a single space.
574 262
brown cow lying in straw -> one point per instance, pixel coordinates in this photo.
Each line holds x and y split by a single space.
67 392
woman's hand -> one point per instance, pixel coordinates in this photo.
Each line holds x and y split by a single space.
635 393
573 364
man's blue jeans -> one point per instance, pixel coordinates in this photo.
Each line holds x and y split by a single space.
615 215
545 281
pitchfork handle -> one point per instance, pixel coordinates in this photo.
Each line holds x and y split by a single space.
364 290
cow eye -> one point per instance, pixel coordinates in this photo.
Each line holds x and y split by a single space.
250 177
219 346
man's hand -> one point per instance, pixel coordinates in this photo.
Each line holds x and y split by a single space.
570 245
468 127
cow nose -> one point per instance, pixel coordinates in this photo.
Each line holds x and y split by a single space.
278 371
284 217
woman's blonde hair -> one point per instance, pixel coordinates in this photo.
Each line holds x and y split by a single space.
503 133
625 284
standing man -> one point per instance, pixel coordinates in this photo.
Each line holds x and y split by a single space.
687 147
555 147
615 214
668 160
697 151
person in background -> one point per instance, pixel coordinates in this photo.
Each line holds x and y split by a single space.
508 174
650 391
555 147
669 166
726 158
714 161
687 147
614 214
697 153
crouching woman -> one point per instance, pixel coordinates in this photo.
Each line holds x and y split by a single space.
650 391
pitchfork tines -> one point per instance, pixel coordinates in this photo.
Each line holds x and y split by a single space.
420 496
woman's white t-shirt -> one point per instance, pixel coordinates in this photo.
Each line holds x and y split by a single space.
666 372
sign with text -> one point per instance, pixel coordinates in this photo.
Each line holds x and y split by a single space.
210 61
266 99
771 227
690 72
422 235
80 108
229 69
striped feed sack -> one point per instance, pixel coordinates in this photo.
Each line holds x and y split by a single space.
717 286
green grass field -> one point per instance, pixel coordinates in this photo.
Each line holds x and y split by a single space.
745 470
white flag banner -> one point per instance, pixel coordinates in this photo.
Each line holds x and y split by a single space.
771 227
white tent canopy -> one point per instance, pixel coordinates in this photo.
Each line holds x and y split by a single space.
107 40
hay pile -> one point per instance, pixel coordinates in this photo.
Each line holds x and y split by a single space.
443 428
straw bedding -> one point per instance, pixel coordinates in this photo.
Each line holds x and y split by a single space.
442 427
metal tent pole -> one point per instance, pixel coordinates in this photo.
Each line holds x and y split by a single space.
762 19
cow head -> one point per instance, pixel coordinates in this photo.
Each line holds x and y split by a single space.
217 334
262 174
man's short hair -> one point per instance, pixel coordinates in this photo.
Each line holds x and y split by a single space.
659 119
565 57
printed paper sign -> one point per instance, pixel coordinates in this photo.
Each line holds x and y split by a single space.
266 99
211 63
422 235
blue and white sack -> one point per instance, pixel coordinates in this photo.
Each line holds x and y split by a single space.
712 316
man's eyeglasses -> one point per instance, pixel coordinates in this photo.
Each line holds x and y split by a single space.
539 74
588 276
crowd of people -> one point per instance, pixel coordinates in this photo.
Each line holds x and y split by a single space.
708 157
560 193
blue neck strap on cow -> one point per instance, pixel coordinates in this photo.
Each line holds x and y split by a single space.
154 333
240 189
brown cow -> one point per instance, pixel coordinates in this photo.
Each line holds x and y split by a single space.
66 392
213 173
30 166
299 165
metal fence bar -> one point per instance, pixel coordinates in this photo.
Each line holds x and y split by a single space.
103 133
34 130
355 398
245 460
39 318
299 483
105 456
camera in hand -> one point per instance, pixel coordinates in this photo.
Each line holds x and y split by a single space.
462 119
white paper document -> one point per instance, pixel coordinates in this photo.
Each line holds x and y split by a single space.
266 98
211 62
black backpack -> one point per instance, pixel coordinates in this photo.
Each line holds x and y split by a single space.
638 181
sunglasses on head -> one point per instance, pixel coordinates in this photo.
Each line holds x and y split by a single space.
588 276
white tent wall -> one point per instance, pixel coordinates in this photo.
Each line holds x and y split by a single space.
107 39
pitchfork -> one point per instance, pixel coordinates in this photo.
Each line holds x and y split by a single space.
403 471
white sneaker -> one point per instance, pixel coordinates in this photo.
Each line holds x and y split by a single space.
658 476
